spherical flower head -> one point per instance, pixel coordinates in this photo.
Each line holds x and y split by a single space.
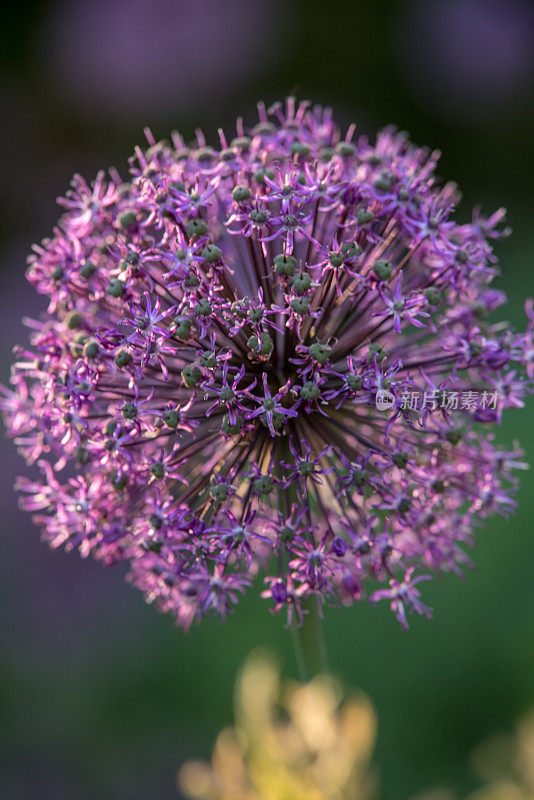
223 384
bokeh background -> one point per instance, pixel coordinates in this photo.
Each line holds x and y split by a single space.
100 696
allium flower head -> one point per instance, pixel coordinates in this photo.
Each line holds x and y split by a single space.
205 394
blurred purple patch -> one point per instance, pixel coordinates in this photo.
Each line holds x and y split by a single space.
140 57
470 57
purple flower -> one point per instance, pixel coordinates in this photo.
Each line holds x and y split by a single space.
201 395
404 597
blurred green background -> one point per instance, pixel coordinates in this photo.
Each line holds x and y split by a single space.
100 696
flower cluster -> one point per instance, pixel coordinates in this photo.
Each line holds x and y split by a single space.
205 378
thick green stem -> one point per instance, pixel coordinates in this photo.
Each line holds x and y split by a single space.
309 643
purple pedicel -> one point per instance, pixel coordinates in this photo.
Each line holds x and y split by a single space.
201 396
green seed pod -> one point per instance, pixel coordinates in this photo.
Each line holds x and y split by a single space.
123 358
158 470
345 149
236 428
241 193
320 352
196 227
301 282
191 375
300 305
261 345
211 253
285 265
382 270
127 218
310 391
116 288
171 418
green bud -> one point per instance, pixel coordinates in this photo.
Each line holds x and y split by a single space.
345 149
320 352
301 282
255 314
261 345
155 521
183 328
191 375
191 281
382 270
235 428
400 460
305 468
241 193
300 305
196 227
384 182
364 216
278 420
87 270
358 478
291 222
208 359
260 174
241 143
287 534
351 249
218 491
258 217
353 382
119 482
263 129
310 391
228 154
127 218
433 296
204 154
300 149
404 505
202 308
152 546
129 411
336 259
73 320
264 485
171 418
454 437
285 265
116 288
123 358
132 258
158 470
211 253
91 349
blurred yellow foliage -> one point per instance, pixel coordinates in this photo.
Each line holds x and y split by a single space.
294 741
506 764
290 742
